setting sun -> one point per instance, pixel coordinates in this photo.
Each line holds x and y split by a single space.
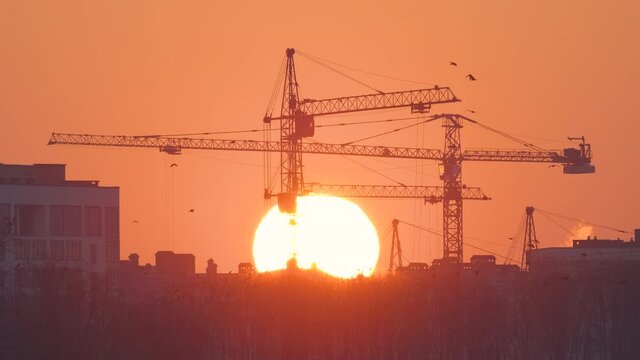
330 232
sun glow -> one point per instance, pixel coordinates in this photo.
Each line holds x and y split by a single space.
327 232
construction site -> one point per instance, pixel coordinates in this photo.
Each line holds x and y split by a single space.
530 301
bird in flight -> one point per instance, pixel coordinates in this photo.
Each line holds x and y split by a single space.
471 111
191 210
174 165
453 63
471 77
135 221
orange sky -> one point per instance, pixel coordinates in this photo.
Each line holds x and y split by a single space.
545 69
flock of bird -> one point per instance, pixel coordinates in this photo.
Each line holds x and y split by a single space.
468 76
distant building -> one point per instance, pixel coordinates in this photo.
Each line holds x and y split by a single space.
212 268
483 262
47 221
414 267
170 263
586 254
245 268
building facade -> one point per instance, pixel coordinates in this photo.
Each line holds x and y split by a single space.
591 254
48 222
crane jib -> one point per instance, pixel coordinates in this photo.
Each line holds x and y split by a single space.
420 99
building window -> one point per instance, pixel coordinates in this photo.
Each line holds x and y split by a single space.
93 254
111 223
31 220
22 249
113 251
2 250
92 221
38 249
57 249
14 180
65 220
73 250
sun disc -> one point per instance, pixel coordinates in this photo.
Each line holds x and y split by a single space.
327 232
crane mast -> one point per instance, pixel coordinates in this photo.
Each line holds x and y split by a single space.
396 249
530 239
297 122
291 177
451 176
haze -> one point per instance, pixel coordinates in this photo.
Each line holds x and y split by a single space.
546 70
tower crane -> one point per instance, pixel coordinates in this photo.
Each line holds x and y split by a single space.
297 122
297 117
525 233
396 249
530 239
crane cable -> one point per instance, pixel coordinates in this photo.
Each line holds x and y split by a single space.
227 132
583 221
465 243
516 237
506 135
569 232
276 86
368 168
430 119
266 126
365 71
317 61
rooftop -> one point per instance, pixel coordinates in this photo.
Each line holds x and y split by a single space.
39 175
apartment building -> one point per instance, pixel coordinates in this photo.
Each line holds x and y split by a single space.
48 222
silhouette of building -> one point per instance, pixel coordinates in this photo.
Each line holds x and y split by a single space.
168 262
49 222
586 254
246 268
212 268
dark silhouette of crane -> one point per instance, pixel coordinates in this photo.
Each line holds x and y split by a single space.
530 241
298 122
395 258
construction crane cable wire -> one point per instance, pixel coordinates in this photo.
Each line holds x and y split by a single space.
465 243
504 134
368 168
516 237
276 88
438 233
365 71
340 72
390 131
227 132
556 223
583 221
